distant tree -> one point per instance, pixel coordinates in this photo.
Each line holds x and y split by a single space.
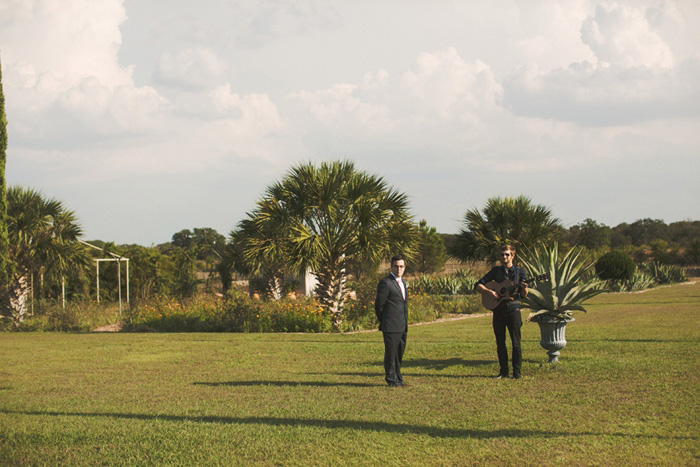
504 220
693 252
204 241
151 272
618 236
668 243
182 239
592 235
644 231
684 232
449 240
203 244
185 282
430 252
43 240
5 262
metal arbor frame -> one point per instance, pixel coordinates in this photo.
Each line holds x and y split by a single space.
119 260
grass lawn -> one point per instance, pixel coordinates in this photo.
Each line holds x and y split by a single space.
626 392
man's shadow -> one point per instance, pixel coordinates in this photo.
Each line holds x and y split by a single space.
443 364
321 384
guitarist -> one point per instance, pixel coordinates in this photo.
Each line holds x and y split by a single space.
507 314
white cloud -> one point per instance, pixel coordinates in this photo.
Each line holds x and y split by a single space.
633 77
548 33
442 93
84 110
48 33
622 35
257 23
190 69
63 83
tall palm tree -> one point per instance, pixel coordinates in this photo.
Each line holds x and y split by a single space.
329 216
504 220
43 240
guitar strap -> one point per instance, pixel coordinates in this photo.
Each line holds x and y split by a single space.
516 280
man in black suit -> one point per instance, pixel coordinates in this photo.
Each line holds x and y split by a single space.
391 307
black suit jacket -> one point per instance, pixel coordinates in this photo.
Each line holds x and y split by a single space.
390 307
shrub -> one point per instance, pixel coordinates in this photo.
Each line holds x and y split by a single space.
77 316
615 265
359 313
237 313
461 282
665 274
640 280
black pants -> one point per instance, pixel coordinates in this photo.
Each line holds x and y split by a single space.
508 319
394 345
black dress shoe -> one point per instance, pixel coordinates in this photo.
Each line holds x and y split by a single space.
516 376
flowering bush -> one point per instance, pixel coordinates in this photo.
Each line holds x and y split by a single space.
236 313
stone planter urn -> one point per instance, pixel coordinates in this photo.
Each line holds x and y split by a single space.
552 335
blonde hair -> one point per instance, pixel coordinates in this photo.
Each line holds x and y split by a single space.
508 246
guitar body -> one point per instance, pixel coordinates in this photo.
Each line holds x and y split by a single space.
504 290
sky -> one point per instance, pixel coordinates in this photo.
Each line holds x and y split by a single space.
147 117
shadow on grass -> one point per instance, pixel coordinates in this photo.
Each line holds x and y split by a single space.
436 432
407 375
442 364
321 384
432 364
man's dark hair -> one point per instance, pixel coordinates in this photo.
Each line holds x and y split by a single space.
396 258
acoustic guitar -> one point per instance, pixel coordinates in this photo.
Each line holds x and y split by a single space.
505 291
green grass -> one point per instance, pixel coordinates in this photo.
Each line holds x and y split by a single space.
626 392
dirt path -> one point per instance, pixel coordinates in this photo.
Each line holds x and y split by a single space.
116 327
450 317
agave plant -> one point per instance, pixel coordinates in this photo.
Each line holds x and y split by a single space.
422 284
665 274
448 285
570 283
640 280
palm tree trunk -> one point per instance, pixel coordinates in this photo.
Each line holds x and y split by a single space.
332 292
15 306
274 286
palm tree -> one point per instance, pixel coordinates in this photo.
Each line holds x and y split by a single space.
324 218
43 240
513 221
258 249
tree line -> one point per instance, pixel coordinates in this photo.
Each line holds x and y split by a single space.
331 220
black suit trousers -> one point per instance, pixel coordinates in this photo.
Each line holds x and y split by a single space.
394 346
508 319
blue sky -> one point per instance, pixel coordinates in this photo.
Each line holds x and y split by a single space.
147 118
